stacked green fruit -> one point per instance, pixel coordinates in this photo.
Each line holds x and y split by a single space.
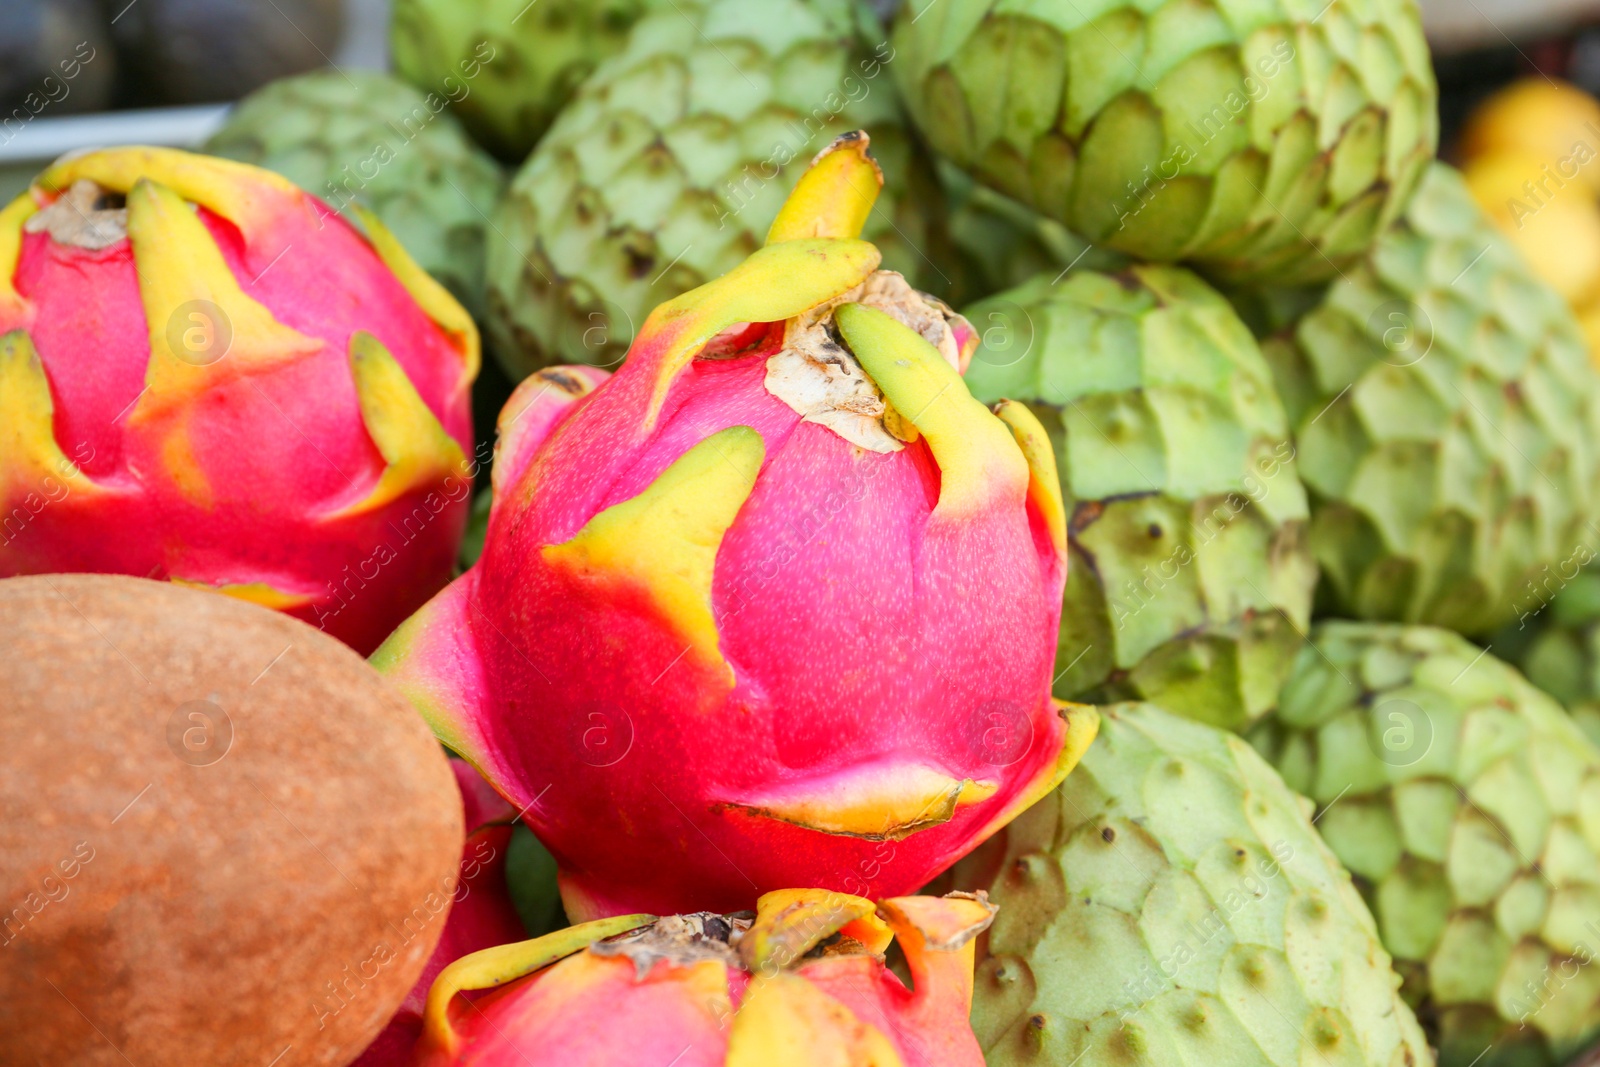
1558 648
1270 140
366 138
996 243
507 67
1467 805
1171 903
1446 419
671 161
1189 580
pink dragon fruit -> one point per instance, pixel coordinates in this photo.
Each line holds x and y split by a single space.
800 984
207 376
775 604
481 914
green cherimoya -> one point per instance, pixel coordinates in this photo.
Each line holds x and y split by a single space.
507 66
1275 138
670 163
1467 806
1171 903
366 137
1190 579
996 243
1446 419
1557 644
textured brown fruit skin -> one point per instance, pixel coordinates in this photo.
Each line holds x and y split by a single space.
193 910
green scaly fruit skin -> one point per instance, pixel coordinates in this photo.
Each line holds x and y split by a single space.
1171 903
1467 805
997 243
1556 644
1274 140
368 138
670 163
1190 577
507 67
1446 418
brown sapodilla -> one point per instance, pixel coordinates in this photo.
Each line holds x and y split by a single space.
225 840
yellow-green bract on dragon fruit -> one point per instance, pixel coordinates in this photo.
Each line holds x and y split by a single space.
799 983
1273 139
208 376
775 603
1467 805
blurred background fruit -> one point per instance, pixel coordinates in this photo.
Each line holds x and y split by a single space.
1531 156
363 137
1466 804
1171 903
1445 416
55 57
1589 323
1556 228
1274 146
1549 120
200 51
668 165
508 66
225 838
1190 578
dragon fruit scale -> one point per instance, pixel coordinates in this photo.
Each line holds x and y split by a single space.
801 982
207 376
773 604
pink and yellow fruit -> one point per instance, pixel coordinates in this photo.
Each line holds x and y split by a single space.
801 984
207 376
774 604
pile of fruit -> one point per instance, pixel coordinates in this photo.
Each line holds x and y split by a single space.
995 534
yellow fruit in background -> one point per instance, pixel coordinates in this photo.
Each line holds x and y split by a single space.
1554 223
1589 319
1556 122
